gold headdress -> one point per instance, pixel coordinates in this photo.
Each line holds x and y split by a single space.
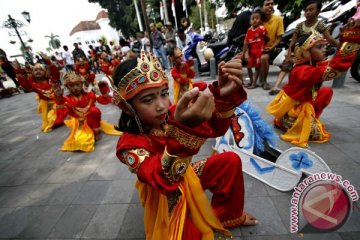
302 53
147 74
72 77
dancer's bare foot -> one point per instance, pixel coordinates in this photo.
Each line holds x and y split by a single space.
250 220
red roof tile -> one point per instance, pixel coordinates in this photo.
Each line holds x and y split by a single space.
102 14
85 26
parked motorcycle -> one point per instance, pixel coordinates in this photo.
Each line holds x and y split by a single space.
203 48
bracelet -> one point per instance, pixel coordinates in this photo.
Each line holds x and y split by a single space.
226 114
184 138
174 166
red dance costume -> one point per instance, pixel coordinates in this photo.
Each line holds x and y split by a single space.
163 194
298 106
183 77
108 67
52 115
83 69
84 121
256 39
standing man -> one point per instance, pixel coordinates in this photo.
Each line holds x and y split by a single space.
170 37
7 67
78 53
275 29
104 47
158 45
68 59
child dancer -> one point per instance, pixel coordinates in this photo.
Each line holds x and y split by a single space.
82 67
158 144
299 104
85 117
311 24
254 43
39 81
183 74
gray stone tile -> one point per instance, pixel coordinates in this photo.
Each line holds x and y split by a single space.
274 192
350 149
348 172
135 197
133 225
4 212
320 236
350 235
106 222
41 195
268 237
30 222
113 171
40 161
93 192
353 223
16 196
253 187
331 154
24 176
62 174
82 173
282 205
269 220
74 221
120 191
65 194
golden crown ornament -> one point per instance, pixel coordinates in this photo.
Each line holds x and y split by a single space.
302 53
72 77
148 74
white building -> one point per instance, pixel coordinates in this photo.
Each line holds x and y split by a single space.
89 32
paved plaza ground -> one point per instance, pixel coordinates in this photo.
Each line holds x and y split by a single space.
49 194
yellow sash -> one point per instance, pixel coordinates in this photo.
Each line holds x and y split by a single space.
304 113
158 223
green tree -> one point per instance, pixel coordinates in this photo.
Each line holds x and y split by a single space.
122 15
54 42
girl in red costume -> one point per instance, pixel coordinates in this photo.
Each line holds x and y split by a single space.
298 106
183 74
40 81
85 118
82 67
107 65
158 144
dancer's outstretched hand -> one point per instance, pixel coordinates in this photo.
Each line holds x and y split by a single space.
194 107
230 76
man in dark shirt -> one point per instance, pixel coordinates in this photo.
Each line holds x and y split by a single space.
240 26
104 47
158 42
78 53
7 67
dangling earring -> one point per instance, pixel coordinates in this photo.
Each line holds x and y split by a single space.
138 123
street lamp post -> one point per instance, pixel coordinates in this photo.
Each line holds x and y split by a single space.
15 24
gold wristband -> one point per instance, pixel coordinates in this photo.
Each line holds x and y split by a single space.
348 48
226 114
184 138
174 166
223 107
